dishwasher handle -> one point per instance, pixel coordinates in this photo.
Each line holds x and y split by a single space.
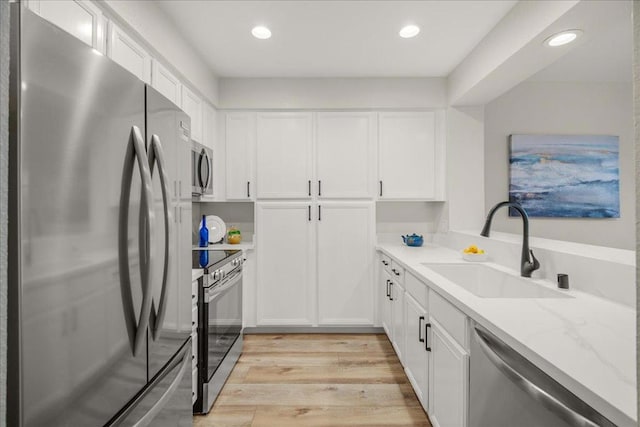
560 401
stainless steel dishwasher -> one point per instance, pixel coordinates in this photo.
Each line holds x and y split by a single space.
507 390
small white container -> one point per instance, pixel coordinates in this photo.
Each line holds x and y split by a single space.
475 257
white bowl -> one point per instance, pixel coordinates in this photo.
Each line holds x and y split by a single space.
475 257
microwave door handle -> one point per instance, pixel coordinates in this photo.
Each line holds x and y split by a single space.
204 159
156 155
135 152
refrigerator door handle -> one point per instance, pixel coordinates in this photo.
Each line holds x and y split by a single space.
166 396
156 155
136 153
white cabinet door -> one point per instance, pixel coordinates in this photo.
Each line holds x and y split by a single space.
345 144
80 18
165 82
192 105
407 155
448 379
209 126
284 147
386 304
128 53
345 239
285 276
240 134
416 356
396 294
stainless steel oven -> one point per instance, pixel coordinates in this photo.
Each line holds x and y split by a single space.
201 170
220 324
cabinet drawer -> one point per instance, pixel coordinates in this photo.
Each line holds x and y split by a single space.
194 350
385 262
397 272
194 385
449 317
194 292
416 288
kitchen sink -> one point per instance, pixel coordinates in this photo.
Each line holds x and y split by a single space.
488 282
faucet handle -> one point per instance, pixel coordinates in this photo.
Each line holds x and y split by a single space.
536 264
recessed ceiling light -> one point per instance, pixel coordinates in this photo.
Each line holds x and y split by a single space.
261 32
409 31
562 38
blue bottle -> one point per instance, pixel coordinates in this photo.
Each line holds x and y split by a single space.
204 242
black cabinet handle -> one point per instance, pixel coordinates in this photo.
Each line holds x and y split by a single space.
248 189
309 187
426 337
319 213
420 320
380 188
384 262
390 291
319 188
388 287
309 212
396 272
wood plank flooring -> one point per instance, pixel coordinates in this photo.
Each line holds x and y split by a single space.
316 380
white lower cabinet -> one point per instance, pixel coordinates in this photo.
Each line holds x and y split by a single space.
448 379
385 303
416 360
396 295
333 239
285 262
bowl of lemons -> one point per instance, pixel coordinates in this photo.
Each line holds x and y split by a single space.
474 254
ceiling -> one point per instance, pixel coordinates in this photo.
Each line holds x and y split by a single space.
606 55
325 38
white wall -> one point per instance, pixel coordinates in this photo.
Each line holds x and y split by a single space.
563 108
159 32
332 93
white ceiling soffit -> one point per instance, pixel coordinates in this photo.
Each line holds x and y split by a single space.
334 38
500 63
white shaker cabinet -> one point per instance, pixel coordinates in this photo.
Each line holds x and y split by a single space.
284 153
240 141
409 156
192 105
165 82
386 304
128 53
345 143
396 295
80 18
285 294
416 356
345 239
448 379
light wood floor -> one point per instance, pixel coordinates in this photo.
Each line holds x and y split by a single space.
316 380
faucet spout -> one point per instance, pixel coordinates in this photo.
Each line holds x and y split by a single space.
528 262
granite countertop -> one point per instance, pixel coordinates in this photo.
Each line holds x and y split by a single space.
586 343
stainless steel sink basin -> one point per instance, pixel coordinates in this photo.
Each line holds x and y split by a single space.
488 282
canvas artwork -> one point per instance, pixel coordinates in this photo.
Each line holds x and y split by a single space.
572 176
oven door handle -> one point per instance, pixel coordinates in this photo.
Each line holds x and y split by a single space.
212 293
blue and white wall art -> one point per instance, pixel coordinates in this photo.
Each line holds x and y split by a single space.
571 176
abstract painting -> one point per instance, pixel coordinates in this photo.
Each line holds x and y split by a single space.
571 176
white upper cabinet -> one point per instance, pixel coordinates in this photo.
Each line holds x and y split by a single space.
165 82
408 156
240 134
345 143
128 53
192 105
345 239
284 148
209 122
80 18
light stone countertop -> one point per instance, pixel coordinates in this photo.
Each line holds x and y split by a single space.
196 273
586 343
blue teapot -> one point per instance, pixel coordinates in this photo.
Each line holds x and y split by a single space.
413 240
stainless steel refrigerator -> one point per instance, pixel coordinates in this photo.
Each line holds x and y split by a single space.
96 278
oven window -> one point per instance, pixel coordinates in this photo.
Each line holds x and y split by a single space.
224 325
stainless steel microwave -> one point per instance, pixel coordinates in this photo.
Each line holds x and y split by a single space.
201 170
